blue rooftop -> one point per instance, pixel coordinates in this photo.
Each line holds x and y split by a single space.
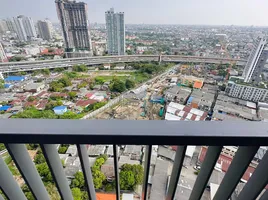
15 78
60 108
7 85
4 108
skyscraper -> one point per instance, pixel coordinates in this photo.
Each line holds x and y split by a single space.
24 27
115 26
44 29
256 62
75 25
3 57
10 25
3 26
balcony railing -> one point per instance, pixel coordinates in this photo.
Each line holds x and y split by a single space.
249 136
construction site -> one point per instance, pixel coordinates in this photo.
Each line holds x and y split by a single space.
133 109
143 103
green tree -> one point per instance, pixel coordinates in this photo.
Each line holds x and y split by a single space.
65 81
72 95
52 191
31 98
77 194
39 158
53 104
80 68
44 172
222 72
78 181
2 84
2 147
45 71
99 80
118 86
82 85
130 84
131 176
98 178
127 180
62 150
27 192
55 86
33 113
32 146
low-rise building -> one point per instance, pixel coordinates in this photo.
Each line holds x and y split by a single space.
246 92
72 150
192 81
201 100
96 150
228 108
180 112
34 87
60 110
177 94
134 151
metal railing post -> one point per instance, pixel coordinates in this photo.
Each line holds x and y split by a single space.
257 181
239 165
28 170
176 170
8 184
82 152
264 196
53 160
116 172
147 162
207 167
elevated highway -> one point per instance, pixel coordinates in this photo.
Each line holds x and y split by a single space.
97 60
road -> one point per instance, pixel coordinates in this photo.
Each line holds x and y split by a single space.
97 60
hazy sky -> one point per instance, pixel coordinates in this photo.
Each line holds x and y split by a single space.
210 12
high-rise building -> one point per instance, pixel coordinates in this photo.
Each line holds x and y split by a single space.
115 26
44 29
19 29
75 25
3 57
3 26
10 25
256 62
24 28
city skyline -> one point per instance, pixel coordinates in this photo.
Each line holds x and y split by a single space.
207 12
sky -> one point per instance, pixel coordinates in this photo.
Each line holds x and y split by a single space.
192 12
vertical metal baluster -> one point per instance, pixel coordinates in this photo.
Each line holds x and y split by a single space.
148 153
82 152
207 167
116 172
257 181
28 170
53 160
8 184
239 165
176 170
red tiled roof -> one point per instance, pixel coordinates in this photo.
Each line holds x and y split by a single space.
17 101
193 117
42 104
84 103
58 94
225 161
101 196
32 103
41 93
89 95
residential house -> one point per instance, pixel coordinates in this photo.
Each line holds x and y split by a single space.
60 110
